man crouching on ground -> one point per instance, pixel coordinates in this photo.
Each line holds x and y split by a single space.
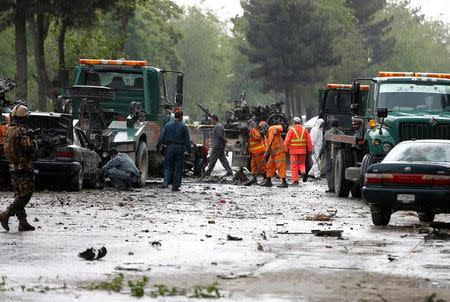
121 170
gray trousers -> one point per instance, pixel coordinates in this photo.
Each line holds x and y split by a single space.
120 179
218 154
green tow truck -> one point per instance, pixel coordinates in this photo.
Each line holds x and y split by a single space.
123 104
399 106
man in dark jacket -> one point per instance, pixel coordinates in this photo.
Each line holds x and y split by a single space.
327 150
121 170
175 136
218 147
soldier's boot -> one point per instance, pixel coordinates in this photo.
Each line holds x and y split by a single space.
283 184
24 226
267 183
4 218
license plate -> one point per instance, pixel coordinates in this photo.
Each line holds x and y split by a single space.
406 197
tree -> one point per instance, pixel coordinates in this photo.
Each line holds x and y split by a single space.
293 47
374 29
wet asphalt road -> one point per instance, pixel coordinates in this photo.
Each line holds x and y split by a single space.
278 258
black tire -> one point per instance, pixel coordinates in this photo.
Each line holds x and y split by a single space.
368 160
78 181
356 190
278 119
380 216
426 216
199 168
142 162
342 186
91 92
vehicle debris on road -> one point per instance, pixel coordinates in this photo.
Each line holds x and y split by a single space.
93 254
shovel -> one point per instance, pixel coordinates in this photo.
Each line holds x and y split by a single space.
253 180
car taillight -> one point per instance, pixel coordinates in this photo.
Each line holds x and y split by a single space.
407 179
64 154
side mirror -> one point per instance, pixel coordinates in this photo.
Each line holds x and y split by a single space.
382 112
179 94
356 93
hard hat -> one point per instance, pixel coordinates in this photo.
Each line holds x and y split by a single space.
297 119
20 111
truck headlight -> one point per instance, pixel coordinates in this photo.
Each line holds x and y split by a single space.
387 147
376 142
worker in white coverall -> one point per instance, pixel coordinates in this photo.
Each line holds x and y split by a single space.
316 134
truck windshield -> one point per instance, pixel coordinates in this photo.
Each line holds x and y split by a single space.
115 80
411 96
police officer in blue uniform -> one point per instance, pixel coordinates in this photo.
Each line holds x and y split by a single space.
175 136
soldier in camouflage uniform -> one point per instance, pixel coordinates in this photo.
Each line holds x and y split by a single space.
20 149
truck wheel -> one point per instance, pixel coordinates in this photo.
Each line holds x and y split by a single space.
342 186
368 160
380 216
426 216
356 190
142 162
78 181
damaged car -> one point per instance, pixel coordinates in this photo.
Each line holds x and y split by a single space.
65 156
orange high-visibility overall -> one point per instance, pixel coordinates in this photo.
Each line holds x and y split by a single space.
277 159
298 142
256 148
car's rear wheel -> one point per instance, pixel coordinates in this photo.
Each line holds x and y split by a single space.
342 186
380 216
142 162
426 216
77 183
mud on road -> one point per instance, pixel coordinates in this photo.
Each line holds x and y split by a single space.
182 240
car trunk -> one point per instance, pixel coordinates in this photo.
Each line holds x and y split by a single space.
56 131
405 173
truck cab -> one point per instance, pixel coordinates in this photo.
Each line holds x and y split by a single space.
400 106
123 104
417 107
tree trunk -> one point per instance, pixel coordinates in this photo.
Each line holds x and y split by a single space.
288 101
40 25
21 50
61 44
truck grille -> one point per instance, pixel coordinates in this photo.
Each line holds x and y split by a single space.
423 130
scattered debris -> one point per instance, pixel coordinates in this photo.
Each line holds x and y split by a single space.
259 247
232 276
392 258
130 253
320 217
211 222
156 243
93 254
36 220
128 269
433 298
327 233
208 236
437 235
263 235
233 238
209 291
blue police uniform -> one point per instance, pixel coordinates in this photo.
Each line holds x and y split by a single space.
175 136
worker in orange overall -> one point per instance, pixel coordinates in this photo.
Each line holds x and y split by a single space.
256 149
275 154
298 143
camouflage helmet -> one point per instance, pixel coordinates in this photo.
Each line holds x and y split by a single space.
20 111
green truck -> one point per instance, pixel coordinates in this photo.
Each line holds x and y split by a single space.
123 104
399 106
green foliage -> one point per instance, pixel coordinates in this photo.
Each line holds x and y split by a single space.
206 53
138 287
209 291
165 291
115 285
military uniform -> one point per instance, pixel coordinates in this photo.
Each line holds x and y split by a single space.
20 149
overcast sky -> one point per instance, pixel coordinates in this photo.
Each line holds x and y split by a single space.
226 9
